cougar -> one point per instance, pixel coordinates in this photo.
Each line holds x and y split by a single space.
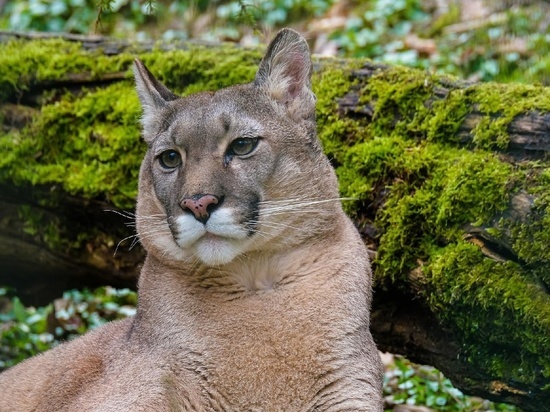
256 290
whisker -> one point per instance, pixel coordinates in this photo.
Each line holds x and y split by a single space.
135 241
119 243
138 236
131 215
196 262
150 225
276 201
271 212
290 204
139 239
259 233
122 213
275 225
152 231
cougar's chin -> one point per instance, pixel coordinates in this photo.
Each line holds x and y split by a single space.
215 251
220 240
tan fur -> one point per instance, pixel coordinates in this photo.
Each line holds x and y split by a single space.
265 307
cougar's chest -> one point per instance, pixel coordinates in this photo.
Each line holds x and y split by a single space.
265 352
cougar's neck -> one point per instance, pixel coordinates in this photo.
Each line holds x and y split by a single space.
173 296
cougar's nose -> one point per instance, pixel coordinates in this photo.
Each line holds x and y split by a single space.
201 205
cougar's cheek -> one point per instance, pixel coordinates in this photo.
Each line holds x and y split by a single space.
223 223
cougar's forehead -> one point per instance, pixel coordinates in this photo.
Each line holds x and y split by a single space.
209 117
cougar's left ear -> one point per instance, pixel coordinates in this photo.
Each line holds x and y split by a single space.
285 71
153 95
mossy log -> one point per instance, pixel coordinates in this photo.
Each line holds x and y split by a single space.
450 180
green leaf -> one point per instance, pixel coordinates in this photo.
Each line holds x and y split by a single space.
440 401
19 310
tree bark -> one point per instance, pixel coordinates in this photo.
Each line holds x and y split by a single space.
42 267
51 239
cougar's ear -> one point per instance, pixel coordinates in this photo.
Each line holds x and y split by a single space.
153 95
285 71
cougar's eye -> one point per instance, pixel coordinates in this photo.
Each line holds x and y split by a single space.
242 146
170 159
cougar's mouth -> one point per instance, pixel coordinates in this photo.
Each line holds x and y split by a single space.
217 241
211 236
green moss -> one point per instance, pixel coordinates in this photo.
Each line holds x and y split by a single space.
447 115
530 236
23 63
404 104
431 192
200 69
399 97
500 104
411 155
507 330
330 83
336 132
89 145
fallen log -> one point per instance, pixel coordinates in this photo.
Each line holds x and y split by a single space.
450 178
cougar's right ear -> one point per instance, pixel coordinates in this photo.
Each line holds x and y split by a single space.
285 72
153 95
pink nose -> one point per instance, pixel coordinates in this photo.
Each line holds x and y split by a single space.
198 204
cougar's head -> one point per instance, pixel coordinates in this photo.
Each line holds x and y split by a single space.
237 170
